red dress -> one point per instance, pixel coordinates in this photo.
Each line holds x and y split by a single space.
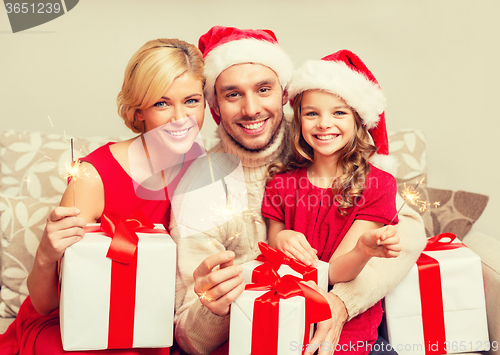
32 333
292 199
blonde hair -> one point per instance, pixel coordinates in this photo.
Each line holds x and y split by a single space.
151 71
353 161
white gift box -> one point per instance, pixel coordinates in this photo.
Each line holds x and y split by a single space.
463 305
291 324
86 285
322 268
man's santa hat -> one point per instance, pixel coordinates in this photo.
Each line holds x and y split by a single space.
345 75
223 47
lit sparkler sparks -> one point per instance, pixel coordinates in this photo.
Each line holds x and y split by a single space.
74 171
222 214
411 196
204 296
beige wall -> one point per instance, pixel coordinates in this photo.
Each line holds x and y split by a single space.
435 59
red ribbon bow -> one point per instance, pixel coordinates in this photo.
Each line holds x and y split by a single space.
431 293
266 310
273 259
436 243
123 252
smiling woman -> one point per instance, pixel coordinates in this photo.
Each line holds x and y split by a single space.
162 99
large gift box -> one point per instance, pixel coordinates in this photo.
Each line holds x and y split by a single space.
284 265
275 317
439 307
118 286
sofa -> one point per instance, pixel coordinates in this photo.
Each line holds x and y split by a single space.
33 166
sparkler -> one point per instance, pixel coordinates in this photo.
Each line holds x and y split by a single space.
74 171
228 212
204 296
412 196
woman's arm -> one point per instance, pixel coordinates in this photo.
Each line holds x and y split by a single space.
364 240
64 227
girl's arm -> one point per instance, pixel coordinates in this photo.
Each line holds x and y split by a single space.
64 227
293 244
364 240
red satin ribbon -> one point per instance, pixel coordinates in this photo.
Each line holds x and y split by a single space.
266 311
272 260
123 252
431 293
436 243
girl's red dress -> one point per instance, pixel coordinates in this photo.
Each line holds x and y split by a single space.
290 198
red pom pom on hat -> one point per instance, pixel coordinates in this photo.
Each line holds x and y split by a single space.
223 47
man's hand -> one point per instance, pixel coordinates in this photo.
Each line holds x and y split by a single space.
327 332
382 242
218 282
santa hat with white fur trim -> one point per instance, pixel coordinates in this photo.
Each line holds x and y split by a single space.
223 47
344 74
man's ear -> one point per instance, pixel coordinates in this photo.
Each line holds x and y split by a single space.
285 97
216 107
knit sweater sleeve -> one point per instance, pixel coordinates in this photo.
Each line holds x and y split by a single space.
380 276
197 329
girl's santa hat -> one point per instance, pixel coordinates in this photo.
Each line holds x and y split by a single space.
345 75
223 47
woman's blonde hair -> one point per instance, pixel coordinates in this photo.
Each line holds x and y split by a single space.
353 161
151 71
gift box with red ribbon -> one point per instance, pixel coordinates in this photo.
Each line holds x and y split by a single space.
439 307
275 316
118 287
284 265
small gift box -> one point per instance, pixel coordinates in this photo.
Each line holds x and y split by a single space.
275 317
439 307
118 286
284 265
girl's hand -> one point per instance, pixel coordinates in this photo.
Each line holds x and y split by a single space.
64 228
295 244
382 242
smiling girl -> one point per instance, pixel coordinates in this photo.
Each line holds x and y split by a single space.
329 201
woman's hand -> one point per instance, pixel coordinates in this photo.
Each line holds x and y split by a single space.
382 242
63 229
295 244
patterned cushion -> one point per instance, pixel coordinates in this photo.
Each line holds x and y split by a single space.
410 148
457 210
22 222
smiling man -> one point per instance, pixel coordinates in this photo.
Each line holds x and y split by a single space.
251 98
246 76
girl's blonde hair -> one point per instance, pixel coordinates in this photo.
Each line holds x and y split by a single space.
151 71
353 161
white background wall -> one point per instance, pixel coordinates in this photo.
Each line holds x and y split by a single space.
436 60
